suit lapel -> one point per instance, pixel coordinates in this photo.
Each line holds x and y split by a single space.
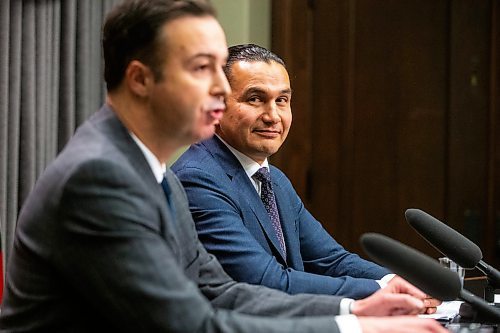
243 185
111 126
247 192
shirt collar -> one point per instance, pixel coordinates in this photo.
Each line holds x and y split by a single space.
249 165
155 165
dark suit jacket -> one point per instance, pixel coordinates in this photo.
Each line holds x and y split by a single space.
233 224
97 250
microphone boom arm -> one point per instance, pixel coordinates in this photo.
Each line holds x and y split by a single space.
491 273
489 312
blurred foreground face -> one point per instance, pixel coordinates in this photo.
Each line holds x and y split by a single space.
189 99
258 115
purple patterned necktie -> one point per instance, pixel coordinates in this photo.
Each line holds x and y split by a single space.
267 196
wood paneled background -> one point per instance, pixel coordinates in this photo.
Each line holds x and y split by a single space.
395 105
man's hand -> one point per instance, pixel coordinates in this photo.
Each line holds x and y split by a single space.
401 324
384 303
400 285
430 305
399 297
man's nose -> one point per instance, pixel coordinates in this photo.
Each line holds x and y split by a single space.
220 86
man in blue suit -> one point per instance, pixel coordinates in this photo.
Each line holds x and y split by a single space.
295 254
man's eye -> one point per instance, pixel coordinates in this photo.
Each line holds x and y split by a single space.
282 100
202 67
254 99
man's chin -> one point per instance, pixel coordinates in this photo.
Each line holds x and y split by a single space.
206 133
267 149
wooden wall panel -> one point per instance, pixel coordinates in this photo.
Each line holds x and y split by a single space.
291 38
394 107
468 118
493 229
329 182
400 107
379 113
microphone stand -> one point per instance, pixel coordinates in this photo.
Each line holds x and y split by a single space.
492 288
478 309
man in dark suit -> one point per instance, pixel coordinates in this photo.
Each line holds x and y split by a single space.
225 196
106 242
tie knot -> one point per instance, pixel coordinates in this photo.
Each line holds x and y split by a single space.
263 175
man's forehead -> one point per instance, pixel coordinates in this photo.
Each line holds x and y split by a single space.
196 36
260 76
255 64
270 69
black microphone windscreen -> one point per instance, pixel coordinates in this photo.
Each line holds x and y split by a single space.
445 239
417 268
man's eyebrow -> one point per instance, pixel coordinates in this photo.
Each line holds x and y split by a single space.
202 55
258 90
211 57
254 90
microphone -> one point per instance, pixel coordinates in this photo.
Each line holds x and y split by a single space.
451 243
423 272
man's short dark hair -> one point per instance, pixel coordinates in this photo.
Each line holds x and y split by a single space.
132 30
249 53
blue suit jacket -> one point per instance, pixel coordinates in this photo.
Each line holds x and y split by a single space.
233 224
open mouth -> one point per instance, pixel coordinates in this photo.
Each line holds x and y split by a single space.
216 113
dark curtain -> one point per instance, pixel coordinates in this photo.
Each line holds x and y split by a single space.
51 79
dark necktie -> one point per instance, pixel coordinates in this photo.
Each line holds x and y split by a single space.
267 196
168 195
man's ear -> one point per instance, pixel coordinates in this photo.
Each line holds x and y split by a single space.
139 78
